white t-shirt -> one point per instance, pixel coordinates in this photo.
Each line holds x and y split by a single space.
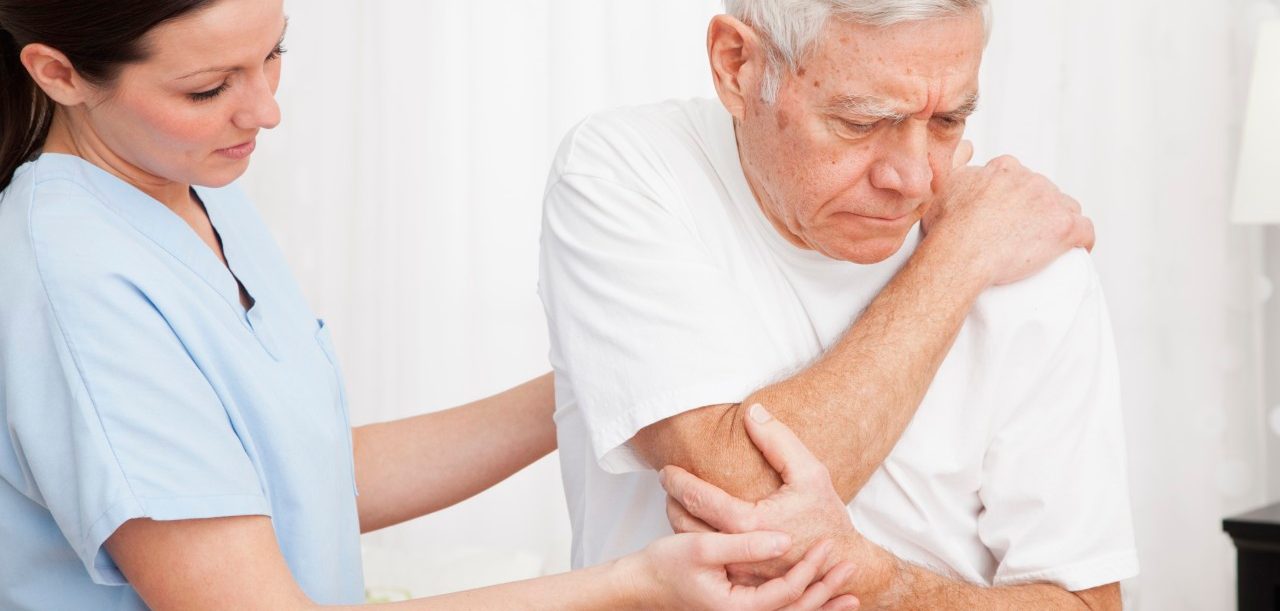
666 290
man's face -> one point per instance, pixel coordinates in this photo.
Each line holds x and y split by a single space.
859 139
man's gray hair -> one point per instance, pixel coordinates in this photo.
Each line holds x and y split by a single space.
790 28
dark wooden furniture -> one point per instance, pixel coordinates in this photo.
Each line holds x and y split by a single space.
1257 538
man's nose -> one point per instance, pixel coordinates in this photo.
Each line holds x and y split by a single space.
904 167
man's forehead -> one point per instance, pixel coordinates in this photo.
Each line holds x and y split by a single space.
909 67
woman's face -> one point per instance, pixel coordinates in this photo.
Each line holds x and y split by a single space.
190 113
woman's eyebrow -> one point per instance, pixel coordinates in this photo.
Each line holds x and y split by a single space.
234 68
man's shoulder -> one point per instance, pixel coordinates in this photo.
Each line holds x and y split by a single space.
1053 297
638 141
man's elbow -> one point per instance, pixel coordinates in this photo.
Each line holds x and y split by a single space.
711 443
1102 598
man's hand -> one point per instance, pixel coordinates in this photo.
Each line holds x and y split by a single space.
806 506
999 216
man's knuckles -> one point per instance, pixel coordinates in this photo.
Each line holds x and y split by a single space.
1004 163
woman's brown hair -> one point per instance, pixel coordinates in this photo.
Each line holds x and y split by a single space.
98 37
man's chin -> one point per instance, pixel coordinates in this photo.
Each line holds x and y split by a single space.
867 251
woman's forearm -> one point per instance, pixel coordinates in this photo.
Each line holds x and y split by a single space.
414 466
605 587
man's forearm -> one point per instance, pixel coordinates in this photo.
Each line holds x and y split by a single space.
852 404
414 466
901 586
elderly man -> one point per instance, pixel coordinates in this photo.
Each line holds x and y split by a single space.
814 242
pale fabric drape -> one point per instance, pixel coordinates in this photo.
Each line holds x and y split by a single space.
405 188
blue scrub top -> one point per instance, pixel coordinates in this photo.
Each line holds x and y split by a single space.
133 384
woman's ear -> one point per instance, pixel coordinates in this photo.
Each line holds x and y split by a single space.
54 74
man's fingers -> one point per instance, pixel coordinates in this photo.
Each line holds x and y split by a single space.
1072 204
719 509
682 521
787 590
1087 236
964 154
784 451
718 549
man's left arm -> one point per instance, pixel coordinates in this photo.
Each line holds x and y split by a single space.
932 592
1054 489
881 580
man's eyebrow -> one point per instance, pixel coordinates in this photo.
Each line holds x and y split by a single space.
864 107
875 108
235 68
969 107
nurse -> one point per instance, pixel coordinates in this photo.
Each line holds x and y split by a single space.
175 431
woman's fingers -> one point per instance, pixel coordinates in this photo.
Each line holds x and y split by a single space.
682 521
784 451
786 590
848 602
819 595
717 549
717 508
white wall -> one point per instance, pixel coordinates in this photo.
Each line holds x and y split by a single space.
405 183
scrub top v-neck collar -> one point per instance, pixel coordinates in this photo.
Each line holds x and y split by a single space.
168 230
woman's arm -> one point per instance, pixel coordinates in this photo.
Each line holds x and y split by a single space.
235 563
411 467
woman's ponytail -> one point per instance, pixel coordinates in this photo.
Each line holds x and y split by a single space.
25 111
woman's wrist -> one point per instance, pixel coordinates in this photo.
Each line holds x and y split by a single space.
631 585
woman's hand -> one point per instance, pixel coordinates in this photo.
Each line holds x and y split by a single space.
688 571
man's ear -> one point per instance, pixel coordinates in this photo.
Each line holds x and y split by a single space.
54 74
738 62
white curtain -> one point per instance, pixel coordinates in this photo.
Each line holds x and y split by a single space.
405 189
1134 108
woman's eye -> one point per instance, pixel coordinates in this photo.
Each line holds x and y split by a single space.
202 96
277 52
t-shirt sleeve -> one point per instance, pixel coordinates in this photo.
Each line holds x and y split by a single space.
644 324
1054 490
118 422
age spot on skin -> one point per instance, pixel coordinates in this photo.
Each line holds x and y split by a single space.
800 71
783 120
817 83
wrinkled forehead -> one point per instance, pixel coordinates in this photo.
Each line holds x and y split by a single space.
914 66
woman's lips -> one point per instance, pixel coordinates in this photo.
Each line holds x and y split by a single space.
239 151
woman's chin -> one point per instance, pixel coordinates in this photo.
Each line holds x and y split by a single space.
221 177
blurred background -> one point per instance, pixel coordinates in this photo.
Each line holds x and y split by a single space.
405 189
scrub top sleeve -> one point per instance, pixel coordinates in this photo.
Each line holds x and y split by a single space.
124 425
644 324
1055 495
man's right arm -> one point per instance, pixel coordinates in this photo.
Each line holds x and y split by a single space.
993 225
852 404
